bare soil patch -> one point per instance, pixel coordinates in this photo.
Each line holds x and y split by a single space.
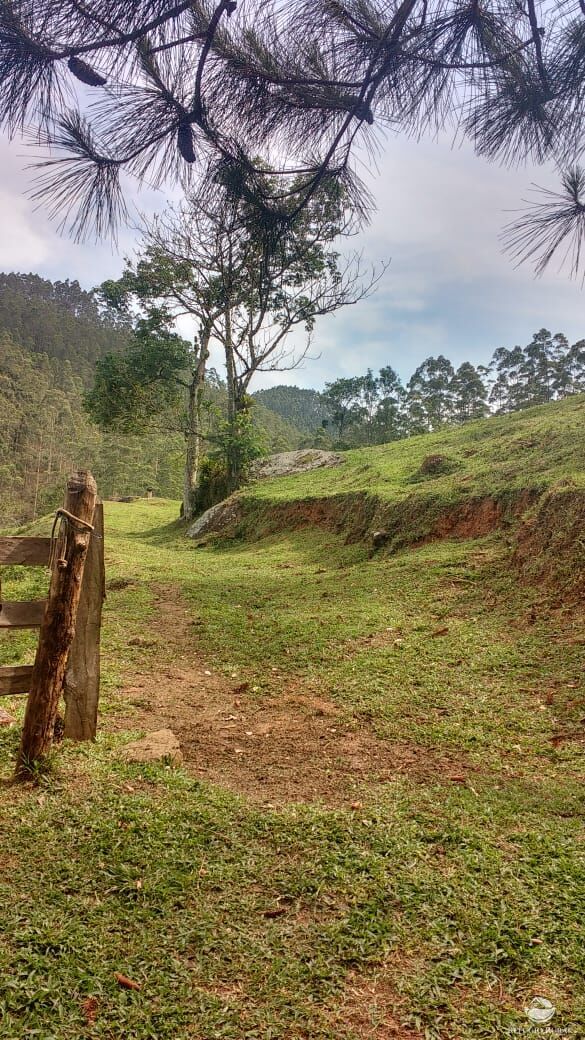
415 520
370 1008
291 747
550 548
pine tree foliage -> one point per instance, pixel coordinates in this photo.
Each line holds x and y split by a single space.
160 89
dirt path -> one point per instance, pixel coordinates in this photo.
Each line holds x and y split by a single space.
293 747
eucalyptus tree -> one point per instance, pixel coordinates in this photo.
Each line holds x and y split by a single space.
341 397
469 392
430 393
575 369
161 368
166 86
546 369
391 416
542 371
505 371
369 403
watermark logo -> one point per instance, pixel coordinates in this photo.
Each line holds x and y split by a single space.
540 1011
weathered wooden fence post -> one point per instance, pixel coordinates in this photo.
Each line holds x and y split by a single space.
82 678
58 625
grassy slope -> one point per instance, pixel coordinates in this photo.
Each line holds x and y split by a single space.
529 449
463 899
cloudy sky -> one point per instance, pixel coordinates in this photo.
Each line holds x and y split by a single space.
448 288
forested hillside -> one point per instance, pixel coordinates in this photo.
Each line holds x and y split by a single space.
45 432
378 408
51 335
306 409
59 319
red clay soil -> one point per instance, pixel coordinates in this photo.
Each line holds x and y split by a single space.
550 547
293 747
357 515
479 517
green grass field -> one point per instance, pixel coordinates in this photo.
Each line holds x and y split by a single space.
432 900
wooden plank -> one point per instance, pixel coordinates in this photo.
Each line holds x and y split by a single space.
28 614
28 551
82 679
15 680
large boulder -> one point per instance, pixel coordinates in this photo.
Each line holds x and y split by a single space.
216 519
225 515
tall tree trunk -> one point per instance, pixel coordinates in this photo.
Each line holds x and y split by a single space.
194 427
38 477
232 452
230 367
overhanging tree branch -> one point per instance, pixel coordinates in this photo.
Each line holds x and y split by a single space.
305 79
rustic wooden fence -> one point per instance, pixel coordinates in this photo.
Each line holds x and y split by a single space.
68 654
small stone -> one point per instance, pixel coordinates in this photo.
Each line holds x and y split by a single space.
157 746
379 539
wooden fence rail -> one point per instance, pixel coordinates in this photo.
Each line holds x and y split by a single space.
69 621
22 615
27 551
15 680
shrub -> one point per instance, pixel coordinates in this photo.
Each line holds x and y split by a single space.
228 467
213 484
434 466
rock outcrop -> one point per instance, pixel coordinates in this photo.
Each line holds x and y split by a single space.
225 515
288 463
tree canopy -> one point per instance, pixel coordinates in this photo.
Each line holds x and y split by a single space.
371 409
45 430
206 260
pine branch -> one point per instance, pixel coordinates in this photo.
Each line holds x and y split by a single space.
81 189
178 83
552 224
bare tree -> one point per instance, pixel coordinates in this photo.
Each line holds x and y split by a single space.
207 260
174 85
